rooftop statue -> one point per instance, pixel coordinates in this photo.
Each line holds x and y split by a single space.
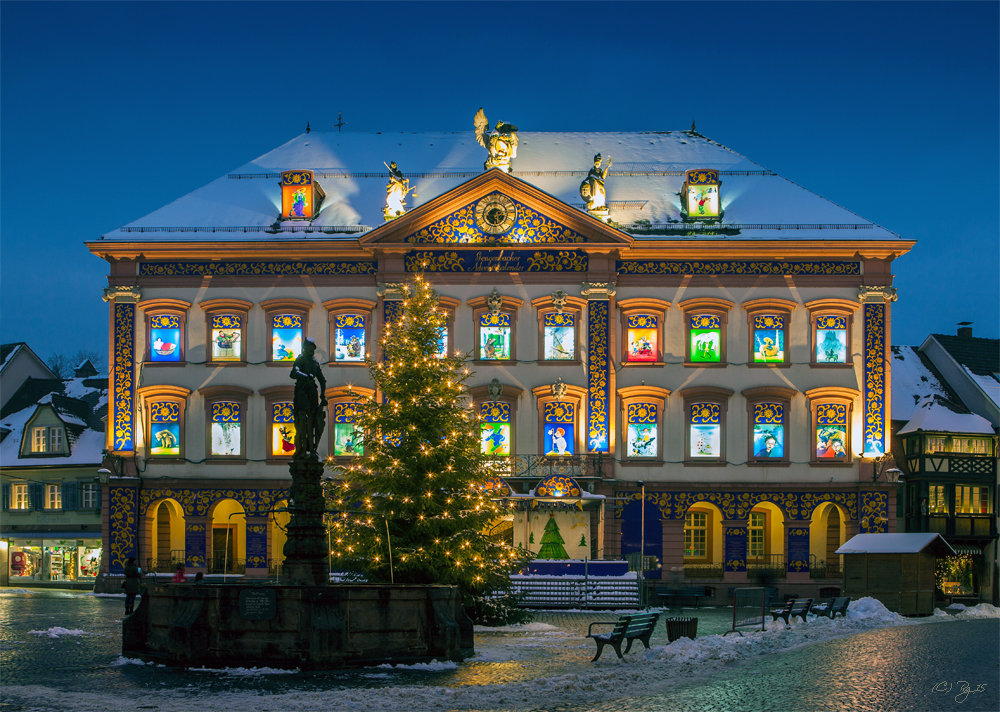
309 402
501 143
592 188
395 192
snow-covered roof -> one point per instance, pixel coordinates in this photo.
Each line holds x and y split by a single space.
911 543
648 172
989 384
914 382
931 416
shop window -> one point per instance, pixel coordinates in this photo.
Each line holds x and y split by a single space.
642 418
768 408
831 416
937 500
53 496
769 322
19 498
972 499
560 325
165 323
226 322
831 322
696 534
705 409
559 407
495 318
705 322
642 326
164 408
700 195
494 428
757 526
225 409
350 330
286 327
90 496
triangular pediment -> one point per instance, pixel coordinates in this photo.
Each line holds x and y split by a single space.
495 209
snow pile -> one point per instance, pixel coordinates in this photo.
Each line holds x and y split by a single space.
957 606
56 631
12 591
432 666
103 595
246 672
983 610
122 660
522 628
938 613
873 610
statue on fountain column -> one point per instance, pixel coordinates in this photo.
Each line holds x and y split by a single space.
309 402
592 189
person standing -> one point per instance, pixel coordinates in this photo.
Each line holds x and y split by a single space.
131 584
180 575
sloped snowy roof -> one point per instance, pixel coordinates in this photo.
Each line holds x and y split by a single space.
931 416
647 174
914 382
989 384
912 543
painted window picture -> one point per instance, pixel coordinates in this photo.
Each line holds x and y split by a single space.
300 195
286 337
165 337
227 331
831 339
494 428
349 337
559 334
706 430
494 337
165 428
282 430
769 430
225 419
769 339
346 438
442 345
641 337
706 338
702 188
558 421
642 430
831 432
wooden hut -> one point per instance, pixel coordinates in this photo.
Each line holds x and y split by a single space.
896 569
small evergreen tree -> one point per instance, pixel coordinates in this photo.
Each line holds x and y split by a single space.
583 540
552 542
421 472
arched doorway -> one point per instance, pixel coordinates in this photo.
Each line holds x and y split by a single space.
167 536
632 533
766 542
827 531
278 522
228 539
703 542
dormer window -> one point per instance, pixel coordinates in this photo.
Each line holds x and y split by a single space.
47 439
301 195
700 195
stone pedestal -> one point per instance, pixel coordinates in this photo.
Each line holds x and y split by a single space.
306 555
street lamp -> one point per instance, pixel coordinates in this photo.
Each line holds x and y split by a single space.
642 540
886 465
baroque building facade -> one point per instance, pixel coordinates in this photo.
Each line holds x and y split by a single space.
707 329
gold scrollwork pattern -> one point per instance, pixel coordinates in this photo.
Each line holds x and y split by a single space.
874 379
122 515
598 377
558 486
460 227
736 267
561 261
874 512
124 362
220 269
797 506
197 502
434 262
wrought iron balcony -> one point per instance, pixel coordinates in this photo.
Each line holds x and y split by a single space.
542 466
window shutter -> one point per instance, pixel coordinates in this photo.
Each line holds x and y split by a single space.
36 490
100 490
6 497
70 496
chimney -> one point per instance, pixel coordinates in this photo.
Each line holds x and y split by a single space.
965 329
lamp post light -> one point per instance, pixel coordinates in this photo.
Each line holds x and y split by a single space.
886 465
642 541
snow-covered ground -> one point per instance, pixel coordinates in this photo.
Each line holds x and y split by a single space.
516 667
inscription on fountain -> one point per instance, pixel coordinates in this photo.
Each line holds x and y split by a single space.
258 604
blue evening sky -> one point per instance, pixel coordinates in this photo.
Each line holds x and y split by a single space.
111 110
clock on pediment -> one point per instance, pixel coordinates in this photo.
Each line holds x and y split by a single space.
495 214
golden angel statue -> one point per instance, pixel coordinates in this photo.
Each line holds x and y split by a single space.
395 193
592 188
501 142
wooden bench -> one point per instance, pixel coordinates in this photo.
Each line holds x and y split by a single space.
691 593
638 626
795 607
831 608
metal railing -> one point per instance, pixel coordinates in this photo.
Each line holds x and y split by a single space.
542 466
703 571
771 566
820 569
221 565
165 564
576 592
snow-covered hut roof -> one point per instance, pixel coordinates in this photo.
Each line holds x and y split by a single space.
932 416
911 543
643 184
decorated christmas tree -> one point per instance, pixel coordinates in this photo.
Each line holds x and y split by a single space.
419 484
552 542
